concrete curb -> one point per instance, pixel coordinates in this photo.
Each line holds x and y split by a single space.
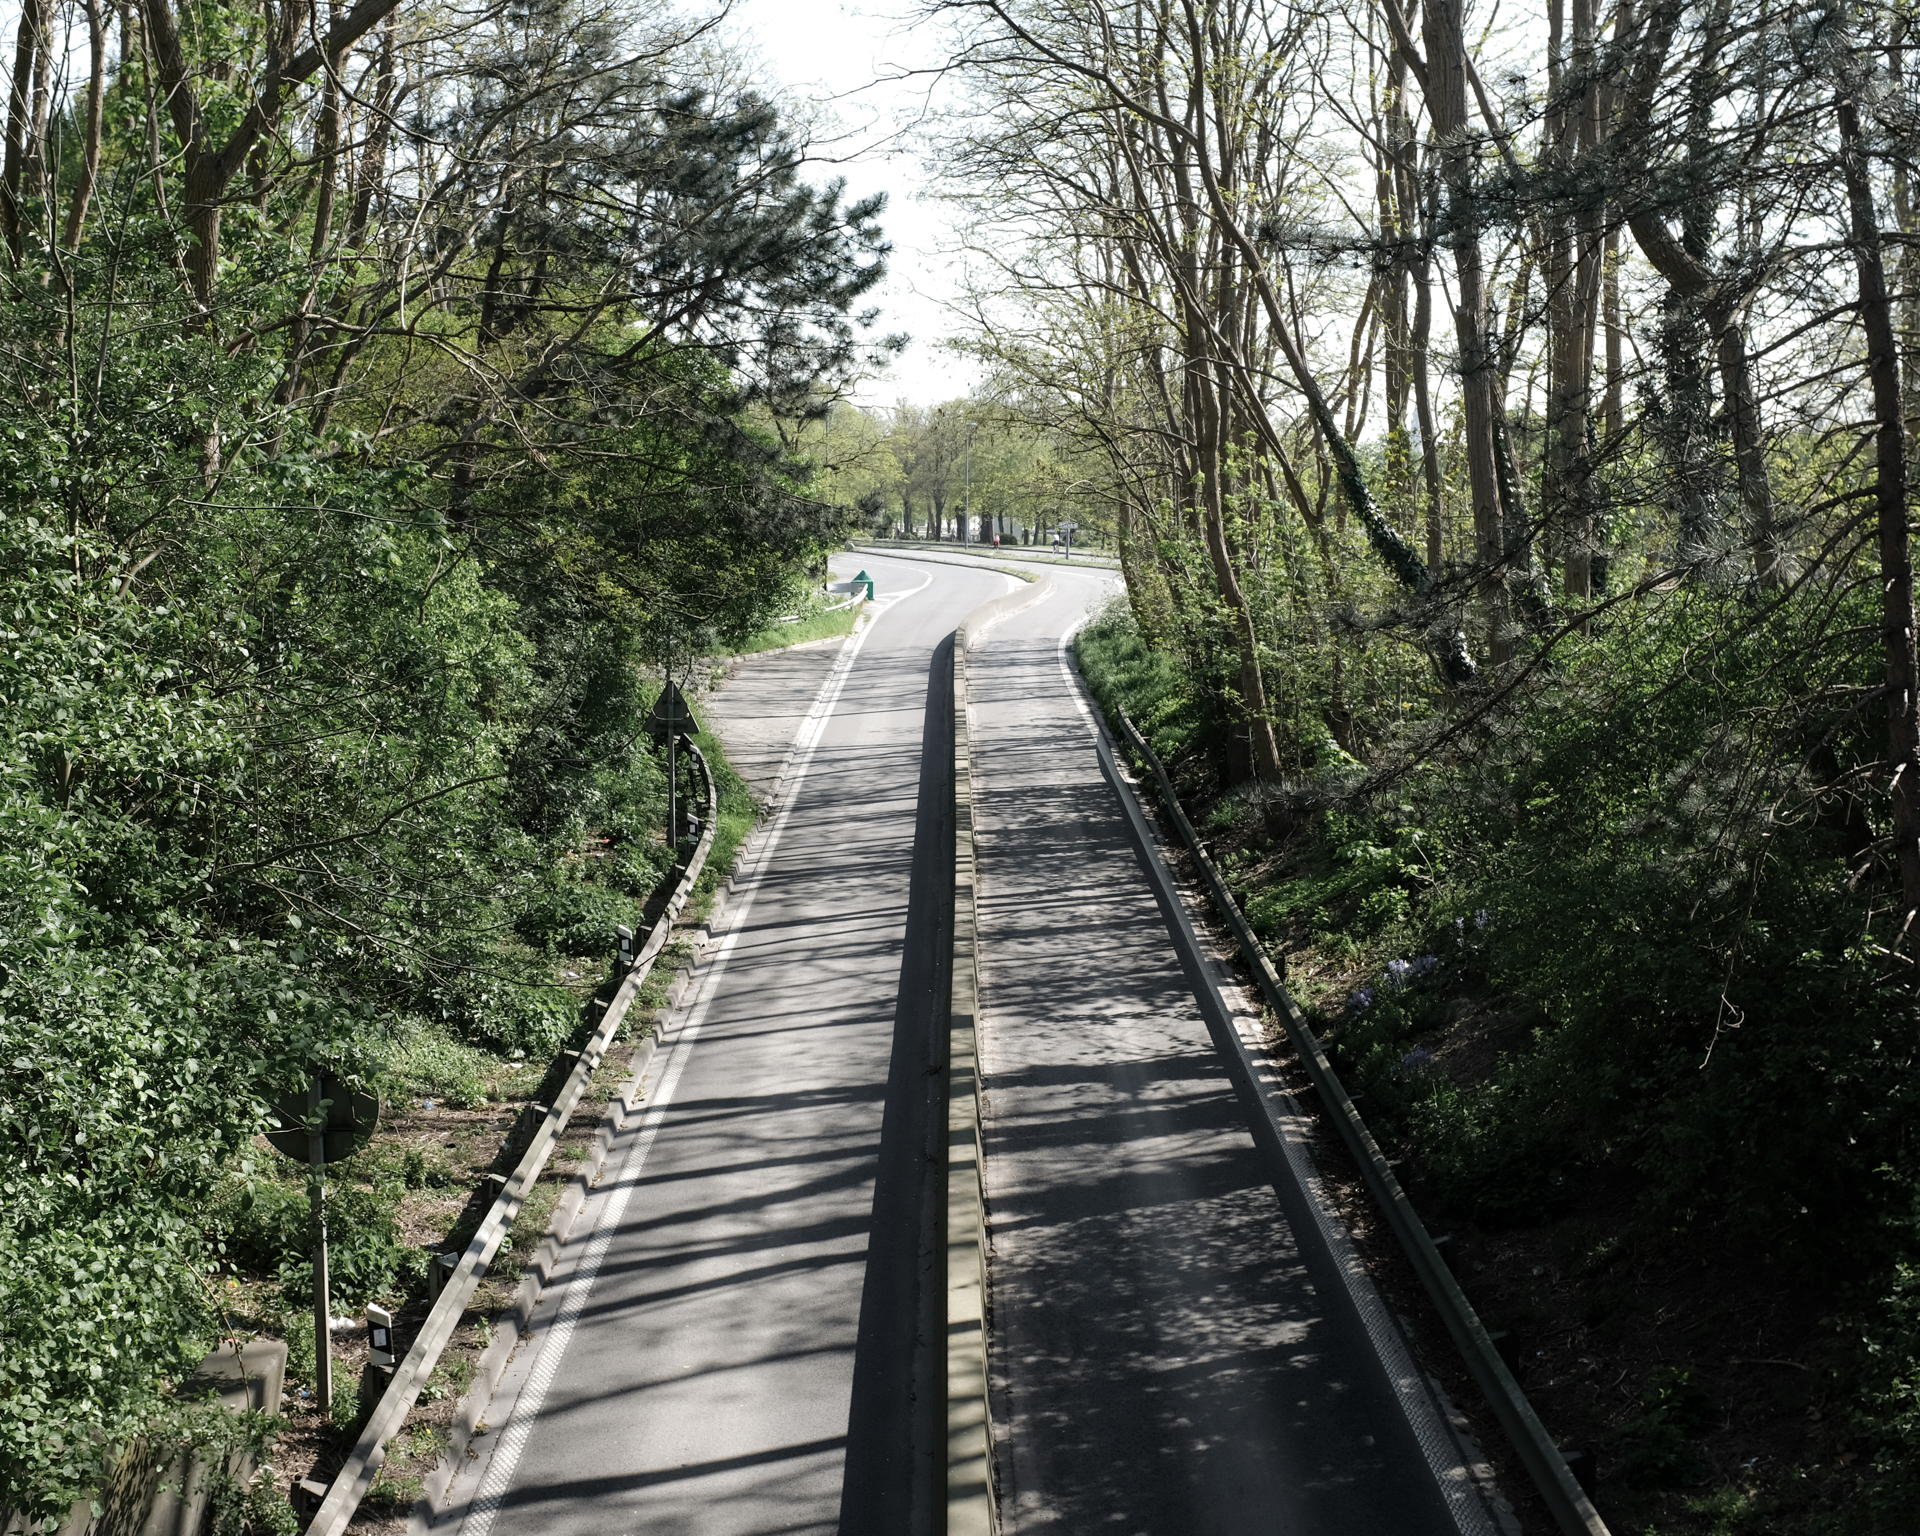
1017 551
1572 1510
986 615
356 1474
957 561
970 1504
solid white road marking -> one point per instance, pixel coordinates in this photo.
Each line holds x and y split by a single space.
579 1286
1441 1448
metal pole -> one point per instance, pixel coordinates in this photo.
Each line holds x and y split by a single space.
673 741
966 499
322 1302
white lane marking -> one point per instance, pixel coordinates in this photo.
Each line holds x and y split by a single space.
1066 672
893 597
1459 1486
579 1285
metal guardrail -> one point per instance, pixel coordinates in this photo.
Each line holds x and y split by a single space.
356 1475
1546 1465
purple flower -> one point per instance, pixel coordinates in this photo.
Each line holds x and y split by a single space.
1482 918
1416 1063
1401 973
1361 1001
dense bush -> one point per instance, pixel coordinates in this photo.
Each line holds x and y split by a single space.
1121 666
570 916
1652 874
268 1232
298 764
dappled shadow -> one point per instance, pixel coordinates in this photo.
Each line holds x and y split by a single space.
1166 1358
743 1362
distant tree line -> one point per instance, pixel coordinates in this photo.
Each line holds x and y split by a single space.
920 471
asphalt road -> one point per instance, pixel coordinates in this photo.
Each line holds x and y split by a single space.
731 1346
1174 1350
740 1339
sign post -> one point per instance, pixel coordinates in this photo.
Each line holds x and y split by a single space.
322 1288
327 1123
672 718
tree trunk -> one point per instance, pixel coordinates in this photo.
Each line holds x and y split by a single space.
1447 102
1749 448
1613 413
1423 402
1890 501
27 50
90 148
1264 759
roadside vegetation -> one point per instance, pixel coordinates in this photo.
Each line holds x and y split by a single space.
817 617
1539 658
1617 1011
377 415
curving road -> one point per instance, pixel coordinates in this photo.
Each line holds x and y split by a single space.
1175 1348
740 1336
745 1356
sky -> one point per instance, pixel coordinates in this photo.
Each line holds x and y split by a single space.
843 59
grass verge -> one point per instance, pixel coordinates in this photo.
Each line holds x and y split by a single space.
823 625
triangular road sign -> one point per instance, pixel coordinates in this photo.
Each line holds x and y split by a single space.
671 712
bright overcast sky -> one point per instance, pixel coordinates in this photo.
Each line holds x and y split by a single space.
839 54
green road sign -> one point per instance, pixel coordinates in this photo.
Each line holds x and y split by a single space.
352 1114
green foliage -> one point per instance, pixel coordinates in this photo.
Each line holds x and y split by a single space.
570 916
428 1063
302 1359
738 815
1641 852
268 1231
1882 1392
221 1440
1490 1152
815 615
348 1412
1674 1408
300 750
1123 670
1360 877
1673 895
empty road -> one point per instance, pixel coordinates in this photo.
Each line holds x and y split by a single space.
741 1336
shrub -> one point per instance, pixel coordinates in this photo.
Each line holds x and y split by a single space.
574 917
1675 1409
269 1231
428 1063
